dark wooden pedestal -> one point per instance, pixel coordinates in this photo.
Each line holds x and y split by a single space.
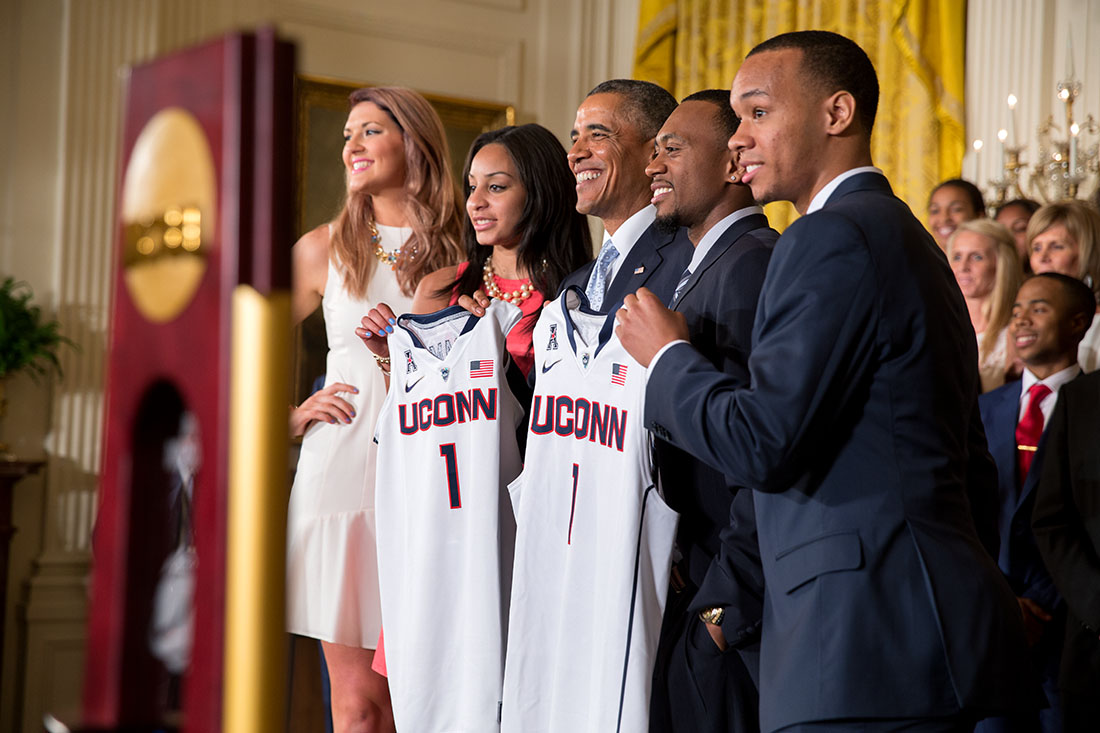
11 472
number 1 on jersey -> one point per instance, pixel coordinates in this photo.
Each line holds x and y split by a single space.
572 505
447 450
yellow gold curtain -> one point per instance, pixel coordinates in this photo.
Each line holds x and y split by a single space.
917 47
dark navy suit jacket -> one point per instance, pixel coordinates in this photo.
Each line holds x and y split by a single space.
1018 557
719 305
858 430
1066 522
656 261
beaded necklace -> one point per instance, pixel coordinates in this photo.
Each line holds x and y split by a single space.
493 290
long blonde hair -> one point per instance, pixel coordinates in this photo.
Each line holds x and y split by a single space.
432 203
997 308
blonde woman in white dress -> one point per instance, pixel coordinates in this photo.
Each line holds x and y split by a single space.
400 222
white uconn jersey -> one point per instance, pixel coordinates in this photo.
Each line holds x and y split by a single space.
446 452
593 537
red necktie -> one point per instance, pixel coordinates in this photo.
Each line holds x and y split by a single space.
1030 429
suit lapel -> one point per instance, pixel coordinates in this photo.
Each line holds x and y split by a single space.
737 230
1002 440
642 261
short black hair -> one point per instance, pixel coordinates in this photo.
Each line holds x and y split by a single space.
648 105
726 120
832 62
1026 204
1082 301
972 192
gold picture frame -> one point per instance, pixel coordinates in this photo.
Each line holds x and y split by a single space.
321 106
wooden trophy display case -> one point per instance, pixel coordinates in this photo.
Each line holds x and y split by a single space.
186 620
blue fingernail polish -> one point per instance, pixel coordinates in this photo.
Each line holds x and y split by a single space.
381 333
332 421
355 390
389 329
393 321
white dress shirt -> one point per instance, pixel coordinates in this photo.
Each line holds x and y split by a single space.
1054 382
823 195
627 235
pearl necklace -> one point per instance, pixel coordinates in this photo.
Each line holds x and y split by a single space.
386 258
493 290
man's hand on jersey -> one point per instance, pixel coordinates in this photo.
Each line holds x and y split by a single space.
645 325
374 328
322 405
476 303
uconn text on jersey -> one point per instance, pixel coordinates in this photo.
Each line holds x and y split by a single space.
580 418
447 409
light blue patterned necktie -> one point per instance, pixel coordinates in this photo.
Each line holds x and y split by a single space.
597 284
680 286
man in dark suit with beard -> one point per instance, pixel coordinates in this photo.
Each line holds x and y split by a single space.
857 428
698 688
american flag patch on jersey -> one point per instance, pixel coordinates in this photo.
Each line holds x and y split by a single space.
618 374
482 368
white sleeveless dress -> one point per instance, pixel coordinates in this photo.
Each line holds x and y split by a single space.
332 569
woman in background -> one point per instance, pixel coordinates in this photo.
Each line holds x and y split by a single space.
950 204
1065 237
1015 215
399 222
983 257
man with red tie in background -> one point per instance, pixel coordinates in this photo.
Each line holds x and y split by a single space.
1049 319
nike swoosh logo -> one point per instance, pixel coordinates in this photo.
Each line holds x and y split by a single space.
408 387
548 367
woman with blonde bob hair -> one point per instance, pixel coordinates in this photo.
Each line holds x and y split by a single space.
400 221
986 264
1064 237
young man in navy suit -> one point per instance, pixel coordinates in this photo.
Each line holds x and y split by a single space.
695 185
1049 319
857 427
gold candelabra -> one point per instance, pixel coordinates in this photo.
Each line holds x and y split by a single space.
1067 165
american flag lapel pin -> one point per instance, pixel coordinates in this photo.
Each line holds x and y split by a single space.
639 269
618 374
481 368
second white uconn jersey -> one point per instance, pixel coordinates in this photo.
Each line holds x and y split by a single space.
593 538
447 450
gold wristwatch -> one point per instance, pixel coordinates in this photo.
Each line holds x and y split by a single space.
713 615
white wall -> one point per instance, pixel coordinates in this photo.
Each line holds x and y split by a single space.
1020 47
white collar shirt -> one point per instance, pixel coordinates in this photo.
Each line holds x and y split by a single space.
1054 382
823 195
627 235
716 231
